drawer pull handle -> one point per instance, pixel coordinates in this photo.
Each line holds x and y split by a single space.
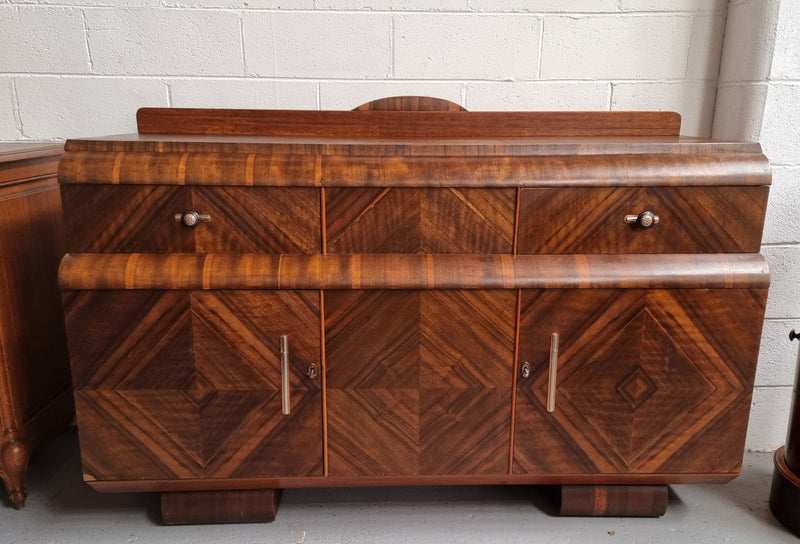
525 371
192 219
285 402
551 384
645 219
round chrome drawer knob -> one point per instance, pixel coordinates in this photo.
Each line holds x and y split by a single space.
645 219
191 219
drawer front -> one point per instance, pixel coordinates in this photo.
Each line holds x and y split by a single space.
142 219
593 220
414 220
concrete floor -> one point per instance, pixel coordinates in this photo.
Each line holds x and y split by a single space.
61 509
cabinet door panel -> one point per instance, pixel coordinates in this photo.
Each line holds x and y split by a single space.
648 381
178 384
419 382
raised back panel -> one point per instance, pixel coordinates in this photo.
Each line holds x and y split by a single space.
405 124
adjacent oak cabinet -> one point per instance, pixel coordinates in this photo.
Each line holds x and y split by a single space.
411 294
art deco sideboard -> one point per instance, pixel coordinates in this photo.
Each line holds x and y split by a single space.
411 294
35 388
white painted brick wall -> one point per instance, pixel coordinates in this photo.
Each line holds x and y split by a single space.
84 106
43 39
786 54
780 136
242 93
694 99
318 45
434 46
165 42
484 54
758 99
72 68
751 24
538 95
8 124
619 47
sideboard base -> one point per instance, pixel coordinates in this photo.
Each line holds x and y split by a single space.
261 505
243 506
784 498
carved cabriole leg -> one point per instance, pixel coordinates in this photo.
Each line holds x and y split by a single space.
613 500
14 454
192 507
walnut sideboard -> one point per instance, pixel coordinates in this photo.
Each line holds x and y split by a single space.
411 294
35 388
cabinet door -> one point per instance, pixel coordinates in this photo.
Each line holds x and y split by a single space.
178 384
419 382
648 381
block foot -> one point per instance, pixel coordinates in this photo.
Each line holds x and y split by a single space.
195 507
612 500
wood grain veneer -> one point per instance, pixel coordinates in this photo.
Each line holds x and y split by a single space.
127 219
35 392
542 169
418 259
405 124
148 271
691 220
648 380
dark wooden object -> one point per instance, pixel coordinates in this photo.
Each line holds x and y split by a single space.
196 507
35 392
784 499
414 266
613 500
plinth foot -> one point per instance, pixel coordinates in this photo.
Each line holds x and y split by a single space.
784 497
194 507
612 500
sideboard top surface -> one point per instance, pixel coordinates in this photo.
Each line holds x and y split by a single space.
188 146
384 146
402 132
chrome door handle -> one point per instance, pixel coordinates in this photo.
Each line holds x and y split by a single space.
551 382
286 407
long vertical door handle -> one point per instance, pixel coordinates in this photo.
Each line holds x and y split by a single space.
551 384
286 407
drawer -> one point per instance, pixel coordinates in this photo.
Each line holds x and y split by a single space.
593 220
419 220
142 219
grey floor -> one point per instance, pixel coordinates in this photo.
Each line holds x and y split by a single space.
61 509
